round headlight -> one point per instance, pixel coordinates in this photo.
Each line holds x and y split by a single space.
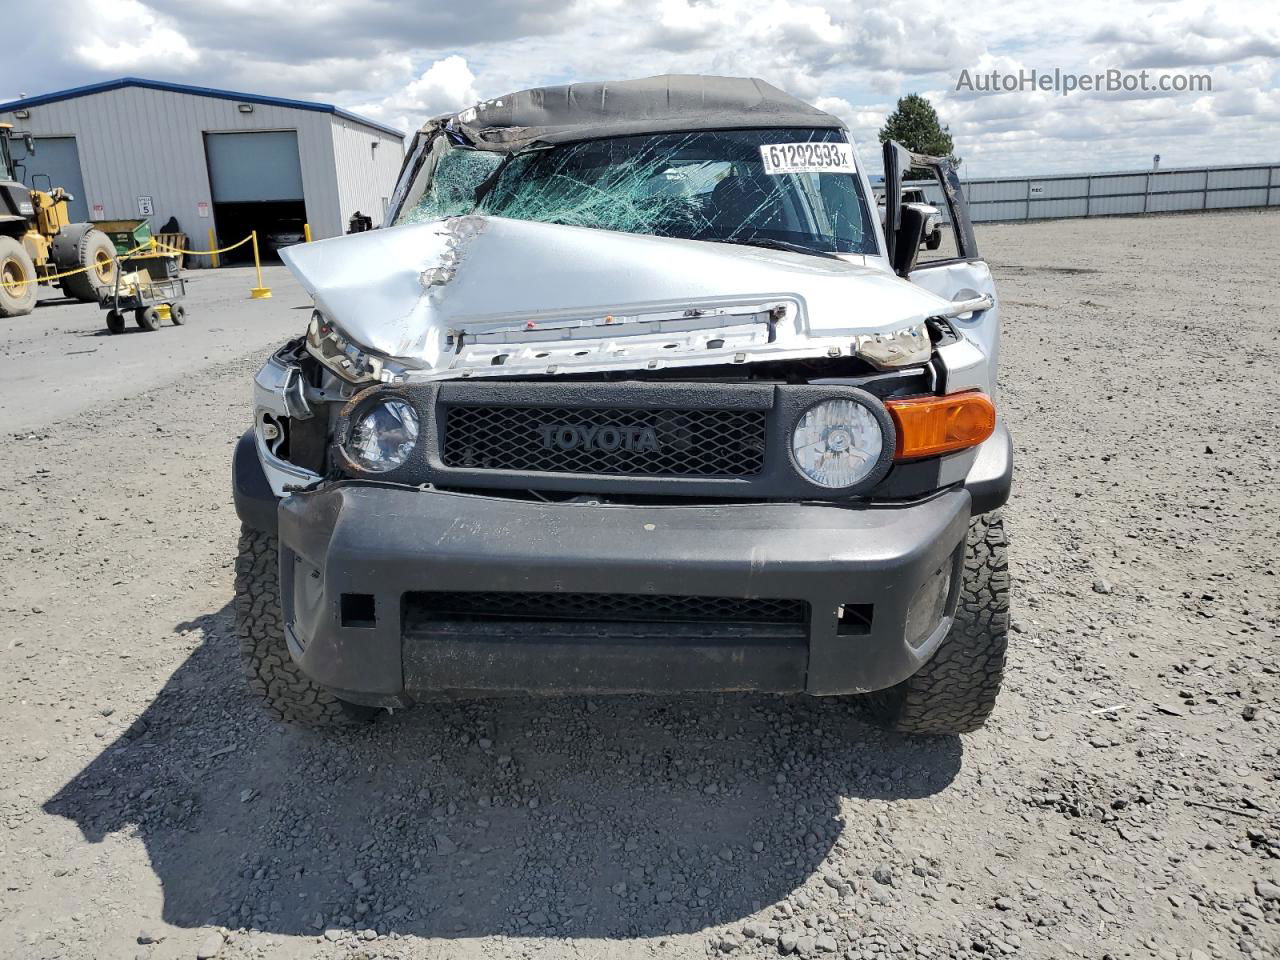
837 443
383 436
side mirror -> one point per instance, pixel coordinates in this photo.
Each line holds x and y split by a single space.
910 234
30 143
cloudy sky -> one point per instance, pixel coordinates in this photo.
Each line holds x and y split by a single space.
400 62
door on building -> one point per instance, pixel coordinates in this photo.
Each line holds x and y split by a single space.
56 163
256 180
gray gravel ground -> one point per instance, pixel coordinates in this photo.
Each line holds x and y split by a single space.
1123 802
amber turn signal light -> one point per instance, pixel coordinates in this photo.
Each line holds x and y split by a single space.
928 426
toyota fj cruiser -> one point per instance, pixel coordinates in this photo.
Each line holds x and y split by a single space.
633 393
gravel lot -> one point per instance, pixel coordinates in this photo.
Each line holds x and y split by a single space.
1123 802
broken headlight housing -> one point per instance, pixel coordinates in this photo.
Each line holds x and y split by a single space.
327 344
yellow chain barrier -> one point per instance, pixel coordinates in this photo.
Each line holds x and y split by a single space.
152 244
260 292
45 278
201 253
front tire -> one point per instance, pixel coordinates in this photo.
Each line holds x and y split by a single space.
17 279
956 690
268 666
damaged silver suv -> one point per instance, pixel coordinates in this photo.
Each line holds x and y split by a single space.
635 395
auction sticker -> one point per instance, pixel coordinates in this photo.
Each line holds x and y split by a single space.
811 157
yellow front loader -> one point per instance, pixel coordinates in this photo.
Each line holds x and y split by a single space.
38 242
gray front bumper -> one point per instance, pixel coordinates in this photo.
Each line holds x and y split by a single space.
378 544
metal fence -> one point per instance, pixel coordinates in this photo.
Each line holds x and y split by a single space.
1115 194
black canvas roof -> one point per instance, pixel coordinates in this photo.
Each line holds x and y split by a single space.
665 104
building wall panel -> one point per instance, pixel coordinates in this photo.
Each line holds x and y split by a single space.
1040 209
1201 188
1058 189
1237 198
994 190
1111 206
1178 180
1108 186
1251 177
367 162
138 142
1005 210
1167 202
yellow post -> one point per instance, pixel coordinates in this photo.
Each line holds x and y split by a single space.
259 292
213 245
306 232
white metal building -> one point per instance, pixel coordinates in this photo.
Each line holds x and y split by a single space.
133 148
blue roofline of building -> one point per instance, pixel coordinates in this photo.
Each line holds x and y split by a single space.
195 91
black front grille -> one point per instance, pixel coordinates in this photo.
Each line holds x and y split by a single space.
614 607
651 442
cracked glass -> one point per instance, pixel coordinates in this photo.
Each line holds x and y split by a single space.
709 185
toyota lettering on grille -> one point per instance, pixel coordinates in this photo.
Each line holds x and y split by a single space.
587 436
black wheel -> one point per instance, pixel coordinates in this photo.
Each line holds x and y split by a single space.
95 251
115 322
956 690
148 318
935 240
178 314
268 666
17 279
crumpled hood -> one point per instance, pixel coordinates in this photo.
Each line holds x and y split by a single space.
482 295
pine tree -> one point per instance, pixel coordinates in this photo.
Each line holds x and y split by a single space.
914 124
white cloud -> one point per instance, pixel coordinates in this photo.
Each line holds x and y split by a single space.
127 35
447 84
401 63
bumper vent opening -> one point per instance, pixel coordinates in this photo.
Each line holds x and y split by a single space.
357 610
854 619
601 607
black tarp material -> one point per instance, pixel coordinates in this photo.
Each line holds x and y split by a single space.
665 104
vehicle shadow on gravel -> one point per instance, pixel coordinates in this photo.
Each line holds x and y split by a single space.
580 817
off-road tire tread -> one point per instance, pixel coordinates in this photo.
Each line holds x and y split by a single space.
84 286
268 667
956 690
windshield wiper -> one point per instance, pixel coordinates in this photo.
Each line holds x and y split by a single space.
787 245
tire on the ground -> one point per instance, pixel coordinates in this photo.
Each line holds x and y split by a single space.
935 239
95 251
17 298
115 322
269 668
178 314
956 690
148 318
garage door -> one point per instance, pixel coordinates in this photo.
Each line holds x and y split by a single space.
56 163
253 167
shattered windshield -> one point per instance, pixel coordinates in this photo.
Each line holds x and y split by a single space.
710 185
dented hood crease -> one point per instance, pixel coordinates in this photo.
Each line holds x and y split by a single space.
418 294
